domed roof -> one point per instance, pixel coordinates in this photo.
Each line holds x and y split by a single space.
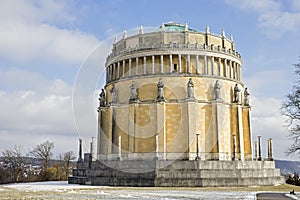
172 26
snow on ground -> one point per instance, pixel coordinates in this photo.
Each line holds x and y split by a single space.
48 185
63 190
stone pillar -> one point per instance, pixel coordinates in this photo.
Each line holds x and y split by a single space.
124 65
225 68
205 64
171 63
92 149
120 148
136 66
189 63
259 148
114 71
153 60
219 67
145 65
212 65
156 146
240 72
230 69
80 151
197 64
161 64
129 70
197 147
179 63
118 72
270 150
234 148
255 150
109 73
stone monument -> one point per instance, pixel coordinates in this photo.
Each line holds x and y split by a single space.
173 115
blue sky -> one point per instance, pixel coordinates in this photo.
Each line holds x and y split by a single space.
44 43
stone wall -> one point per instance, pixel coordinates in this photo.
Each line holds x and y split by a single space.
177 173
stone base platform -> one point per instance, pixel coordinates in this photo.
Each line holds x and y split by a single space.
176 173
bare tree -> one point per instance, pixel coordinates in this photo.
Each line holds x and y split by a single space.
14 161
291 109
67 157
44 153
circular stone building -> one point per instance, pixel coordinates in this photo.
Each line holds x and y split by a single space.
175 112
166 88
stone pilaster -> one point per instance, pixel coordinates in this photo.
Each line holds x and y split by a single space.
191 115
132 127
161 129
241 134
215 131
113 130
108 131
101 136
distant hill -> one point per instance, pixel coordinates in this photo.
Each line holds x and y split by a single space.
288 167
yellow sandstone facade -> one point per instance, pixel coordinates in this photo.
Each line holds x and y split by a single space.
174 93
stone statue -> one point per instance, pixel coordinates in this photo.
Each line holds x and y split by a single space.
217 88
113 92
236 94
133 92
246 96
190 89
160 90
102 98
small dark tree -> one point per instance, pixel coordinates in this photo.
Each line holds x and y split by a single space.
67 157
43 152
291 109
14 162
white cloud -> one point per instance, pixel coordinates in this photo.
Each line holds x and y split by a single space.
296 5
273 21
40 111
28 32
